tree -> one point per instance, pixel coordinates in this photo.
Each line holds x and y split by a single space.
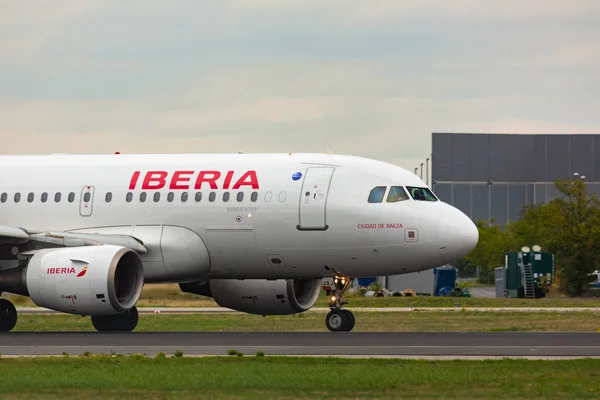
532 227
568 226
573 229
494 242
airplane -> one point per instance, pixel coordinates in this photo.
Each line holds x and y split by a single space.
259 233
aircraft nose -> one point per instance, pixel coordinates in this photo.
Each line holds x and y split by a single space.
457 235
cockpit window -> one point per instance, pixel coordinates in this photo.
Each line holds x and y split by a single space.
397 193
376 195
421 193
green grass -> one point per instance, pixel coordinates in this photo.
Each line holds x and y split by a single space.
169 295
315 322
293 378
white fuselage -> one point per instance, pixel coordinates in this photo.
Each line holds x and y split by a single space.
310 214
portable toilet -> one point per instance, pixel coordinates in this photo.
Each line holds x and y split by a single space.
444 278
365 282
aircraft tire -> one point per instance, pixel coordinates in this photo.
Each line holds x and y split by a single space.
8 316
122 322
350 321
339 320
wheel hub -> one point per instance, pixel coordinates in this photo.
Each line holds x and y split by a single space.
335 321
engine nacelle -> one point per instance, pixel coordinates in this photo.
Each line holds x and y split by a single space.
94 280
263 297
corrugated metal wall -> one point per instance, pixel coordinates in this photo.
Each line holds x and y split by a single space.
496 175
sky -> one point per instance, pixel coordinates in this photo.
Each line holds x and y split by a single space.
368 78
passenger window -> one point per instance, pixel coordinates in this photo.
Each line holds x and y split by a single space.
282 196
240 196
212 196
170 197
225 197
184 197
57 197
86 197
143 197
397 193
254 197
108 197
3 197
72 197
268 196
156 197
421 193
30 197
376 194
44 197
129 197
198 196
17 197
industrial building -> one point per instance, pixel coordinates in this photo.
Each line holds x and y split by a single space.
495 175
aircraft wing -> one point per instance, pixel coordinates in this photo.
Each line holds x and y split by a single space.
14 235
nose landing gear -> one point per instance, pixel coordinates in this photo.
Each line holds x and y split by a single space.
338 320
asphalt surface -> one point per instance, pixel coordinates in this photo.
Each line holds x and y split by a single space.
406 344
489 293
212 310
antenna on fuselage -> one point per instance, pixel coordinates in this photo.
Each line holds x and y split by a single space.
329 148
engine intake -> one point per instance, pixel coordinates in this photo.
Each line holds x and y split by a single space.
259 296
94 280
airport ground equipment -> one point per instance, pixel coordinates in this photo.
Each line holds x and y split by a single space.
366 282
500 279
444 280
527 273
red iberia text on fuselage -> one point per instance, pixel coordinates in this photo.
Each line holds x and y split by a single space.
59 271
186 180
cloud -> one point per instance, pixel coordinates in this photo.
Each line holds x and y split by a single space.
368 78
526 126
377 11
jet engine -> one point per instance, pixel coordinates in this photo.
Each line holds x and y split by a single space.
259 296
90 280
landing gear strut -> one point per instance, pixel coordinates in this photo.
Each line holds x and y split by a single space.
338 320
8 315
122 322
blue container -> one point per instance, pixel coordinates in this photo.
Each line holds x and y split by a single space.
366 281
444 278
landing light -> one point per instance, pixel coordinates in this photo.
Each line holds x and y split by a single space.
332 298
250 215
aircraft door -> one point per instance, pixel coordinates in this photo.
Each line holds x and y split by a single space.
87 199
313 198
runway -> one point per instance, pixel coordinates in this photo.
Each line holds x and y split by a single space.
403 344
212 310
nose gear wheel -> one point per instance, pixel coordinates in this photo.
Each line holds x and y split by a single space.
338 319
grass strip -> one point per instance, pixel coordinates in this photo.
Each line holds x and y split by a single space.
237 377
169 295
315 322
